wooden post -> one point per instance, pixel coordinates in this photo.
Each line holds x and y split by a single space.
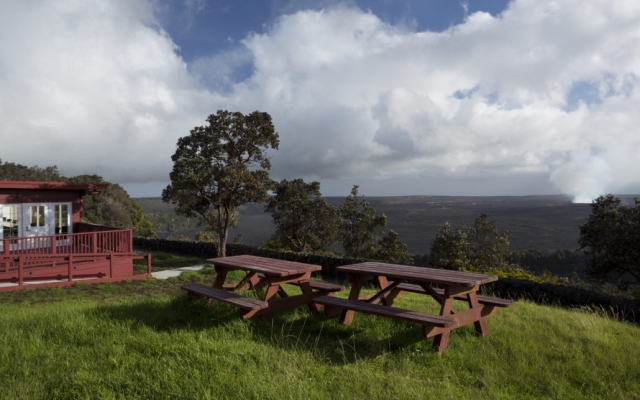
20 271
70 268
110 265
53 244
94 250
149 264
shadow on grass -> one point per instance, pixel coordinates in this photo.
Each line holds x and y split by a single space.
320 337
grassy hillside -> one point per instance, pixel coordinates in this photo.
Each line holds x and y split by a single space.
144 339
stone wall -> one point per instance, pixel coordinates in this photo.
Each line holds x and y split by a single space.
543 293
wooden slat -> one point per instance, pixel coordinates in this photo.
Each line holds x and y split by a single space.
112 239
494 301
245 303
432 275
384 311
269 266
324 286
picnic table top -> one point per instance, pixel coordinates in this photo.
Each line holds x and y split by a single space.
418 274
267 266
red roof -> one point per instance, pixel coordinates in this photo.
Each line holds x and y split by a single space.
85 187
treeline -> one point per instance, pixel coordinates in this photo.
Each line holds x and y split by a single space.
164 218
113 207
305 222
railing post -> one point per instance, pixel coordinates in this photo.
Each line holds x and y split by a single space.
70 268
94 250
20 271
7 246
110 265
149 264
53 244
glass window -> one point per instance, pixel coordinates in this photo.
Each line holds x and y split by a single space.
37 215
9 221
62 218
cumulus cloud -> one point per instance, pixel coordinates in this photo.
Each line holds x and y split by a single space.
93 87
354 95
545 88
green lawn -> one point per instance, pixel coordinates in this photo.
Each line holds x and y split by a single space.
162 261
145 339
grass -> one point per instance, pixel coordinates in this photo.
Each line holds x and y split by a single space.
145 339
163 261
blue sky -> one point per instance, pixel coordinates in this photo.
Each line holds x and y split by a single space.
431 97
203 28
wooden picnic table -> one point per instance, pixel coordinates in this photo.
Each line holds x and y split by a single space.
263 274
393 279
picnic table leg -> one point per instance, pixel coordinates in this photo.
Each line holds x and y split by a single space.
272 290
481 325
306 288
356 284
221 276
388 298
441 341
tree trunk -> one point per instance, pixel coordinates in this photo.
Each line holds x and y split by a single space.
222 245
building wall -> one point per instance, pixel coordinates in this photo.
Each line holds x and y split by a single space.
23 196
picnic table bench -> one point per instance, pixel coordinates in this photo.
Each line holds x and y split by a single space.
489 300
265 275
392 280
428 321
245 303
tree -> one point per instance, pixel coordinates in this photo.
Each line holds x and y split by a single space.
16 172
361 226
481 246
451 248
392 250
206 237
610 240
215 169
304 221
490 247
114 207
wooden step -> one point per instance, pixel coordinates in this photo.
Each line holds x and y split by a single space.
488 300
384 311
245 303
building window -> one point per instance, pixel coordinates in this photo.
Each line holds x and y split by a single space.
62 218
37 216
9 221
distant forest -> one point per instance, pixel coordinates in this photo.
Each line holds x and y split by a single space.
542 223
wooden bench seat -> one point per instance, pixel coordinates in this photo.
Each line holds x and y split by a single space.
323 286
244 303
488 300
318 285
384 311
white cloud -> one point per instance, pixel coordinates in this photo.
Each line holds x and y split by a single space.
98 84
93 87
354 95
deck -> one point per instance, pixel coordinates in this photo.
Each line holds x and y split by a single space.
93 253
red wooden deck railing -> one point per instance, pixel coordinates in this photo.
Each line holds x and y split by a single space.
90 239
92 250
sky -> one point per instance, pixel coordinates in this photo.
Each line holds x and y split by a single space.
400 97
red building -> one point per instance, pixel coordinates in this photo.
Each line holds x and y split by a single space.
44 241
